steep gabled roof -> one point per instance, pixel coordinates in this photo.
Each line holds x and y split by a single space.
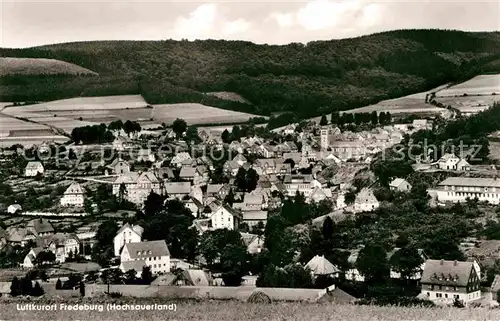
442 272
321 266
74 188
40 225
178 188
143 250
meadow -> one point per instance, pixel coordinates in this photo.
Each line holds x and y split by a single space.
479 85
40 66
195 114
232 310
85 103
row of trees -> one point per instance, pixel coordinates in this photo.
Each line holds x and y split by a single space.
129 127
24 286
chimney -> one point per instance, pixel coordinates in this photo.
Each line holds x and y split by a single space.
442 262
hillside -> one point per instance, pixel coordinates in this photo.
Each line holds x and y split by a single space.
308 80
40 66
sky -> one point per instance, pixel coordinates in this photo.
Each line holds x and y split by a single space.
36 22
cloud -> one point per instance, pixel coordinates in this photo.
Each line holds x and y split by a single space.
284 20
236 27
199 23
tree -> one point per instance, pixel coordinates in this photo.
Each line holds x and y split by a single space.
153 204
122 193
15 287
323 121
146 275
58 284
251 178
374 117
82 289
233 259
172 224
240 179
37 290
130 276
26 287
335 118
350 197
372 264
115 125
328 228
406 261
179 127
192 135
229 199
226 136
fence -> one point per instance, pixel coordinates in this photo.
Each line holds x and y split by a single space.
53 214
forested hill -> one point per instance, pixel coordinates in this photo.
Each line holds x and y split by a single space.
311 79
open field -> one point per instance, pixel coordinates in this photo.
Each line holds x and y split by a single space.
231 310
226 95
469 103
479 85
197 114
403 105
30 141
411 104
85 103
39 66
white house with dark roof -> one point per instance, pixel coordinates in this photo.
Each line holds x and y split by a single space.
253 242
448 161
33 168
29 259
446 281
177 189
154 254
180 158
138 186
253 218
119 166
319 265
240 159
73 196
400 185
458 189
224 217
127 234
366 201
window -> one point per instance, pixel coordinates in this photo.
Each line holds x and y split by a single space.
456 296
446 295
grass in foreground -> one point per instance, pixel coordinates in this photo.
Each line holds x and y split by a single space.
232 310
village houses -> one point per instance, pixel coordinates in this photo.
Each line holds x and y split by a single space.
154 254
73 196
446 281
459 189
126 234
138 186
366 201
400 185
33 169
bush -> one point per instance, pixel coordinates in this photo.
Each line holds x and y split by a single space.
259 297
114 295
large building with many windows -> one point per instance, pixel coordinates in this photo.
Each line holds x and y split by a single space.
446 281
459 189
